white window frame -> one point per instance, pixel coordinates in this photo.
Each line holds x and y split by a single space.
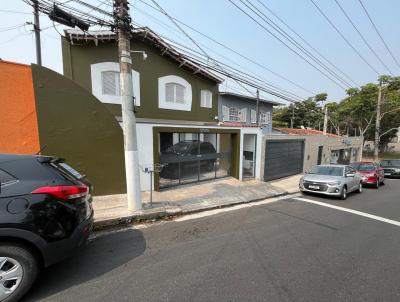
233 114
265 118
206 99
97 88
253 116
162 103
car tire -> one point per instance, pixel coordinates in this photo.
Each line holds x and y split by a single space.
17 257
343 193
360 188
376 185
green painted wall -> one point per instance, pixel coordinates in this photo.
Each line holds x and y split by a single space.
74 125
78 58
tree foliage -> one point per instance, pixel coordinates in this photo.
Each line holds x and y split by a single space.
355 114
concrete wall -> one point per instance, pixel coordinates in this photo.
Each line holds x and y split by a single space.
18 122
240 103
312 144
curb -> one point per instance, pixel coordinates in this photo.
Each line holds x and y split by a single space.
169 213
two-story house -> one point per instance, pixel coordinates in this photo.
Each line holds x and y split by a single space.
176 103
241 110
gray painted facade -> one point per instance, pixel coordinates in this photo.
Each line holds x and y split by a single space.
231 100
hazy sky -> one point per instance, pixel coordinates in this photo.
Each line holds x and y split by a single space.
225 23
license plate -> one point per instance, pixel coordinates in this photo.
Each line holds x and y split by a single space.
388 173
313 187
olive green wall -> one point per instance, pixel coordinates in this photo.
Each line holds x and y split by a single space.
78 58
74 125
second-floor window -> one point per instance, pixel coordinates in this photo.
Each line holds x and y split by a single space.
106 85
110 82
206 99
234 114
265 118
175 93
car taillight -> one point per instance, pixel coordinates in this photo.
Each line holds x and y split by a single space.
63 192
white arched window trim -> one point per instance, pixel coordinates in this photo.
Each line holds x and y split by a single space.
97 88
162 103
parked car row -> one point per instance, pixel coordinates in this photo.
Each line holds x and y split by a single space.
339 180
45 214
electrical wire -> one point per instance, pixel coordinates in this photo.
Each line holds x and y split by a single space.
379 34
286 45
307 43
215 52
253 61
343 37
291 40
362 37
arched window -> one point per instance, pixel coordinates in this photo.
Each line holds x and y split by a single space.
105 83
174 93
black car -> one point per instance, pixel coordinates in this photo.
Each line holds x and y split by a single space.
45 214
391 167
184 158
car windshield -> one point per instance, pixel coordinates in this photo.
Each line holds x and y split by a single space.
180 148
326 170
363 167
389 163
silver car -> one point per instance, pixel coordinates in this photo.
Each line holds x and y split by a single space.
333 180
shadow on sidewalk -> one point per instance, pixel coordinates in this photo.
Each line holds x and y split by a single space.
98 257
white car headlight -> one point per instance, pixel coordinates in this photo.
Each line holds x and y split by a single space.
334 183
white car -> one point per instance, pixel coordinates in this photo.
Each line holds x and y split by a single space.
333 180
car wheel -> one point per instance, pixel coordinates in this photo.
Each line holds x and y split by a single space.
377 184
343 193
18 270
360 188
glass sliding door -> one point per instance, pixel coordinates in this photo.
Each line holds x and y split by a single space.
249 155
192 157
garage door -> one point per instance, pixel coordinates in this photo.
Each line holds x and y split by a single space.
283 158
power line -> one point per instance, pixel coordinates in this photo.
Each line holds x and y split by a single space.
233 74
285 44
293 41
234 51
343 37
379 34
212 50
307 43
362 37
187 35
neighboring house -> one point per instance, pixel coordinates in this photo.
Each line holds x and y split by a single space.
176 106
290 151
236 109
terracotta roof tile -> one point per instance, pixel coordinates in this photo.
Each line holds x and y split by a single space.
298 131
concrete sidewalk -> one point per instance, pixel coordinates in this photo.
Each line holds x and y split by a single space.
112 210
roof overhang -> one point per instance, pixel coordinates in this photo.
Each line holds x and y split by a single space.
250 98
149 36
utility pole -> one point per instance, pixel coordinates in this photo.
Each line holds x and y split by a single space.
36 29
292 119
325 120
123 27
378 122
258 109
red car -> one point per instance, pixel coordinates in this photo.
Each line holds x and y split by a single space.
372 173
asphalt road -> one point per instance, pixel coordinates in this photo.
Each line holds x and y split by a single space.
289 250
